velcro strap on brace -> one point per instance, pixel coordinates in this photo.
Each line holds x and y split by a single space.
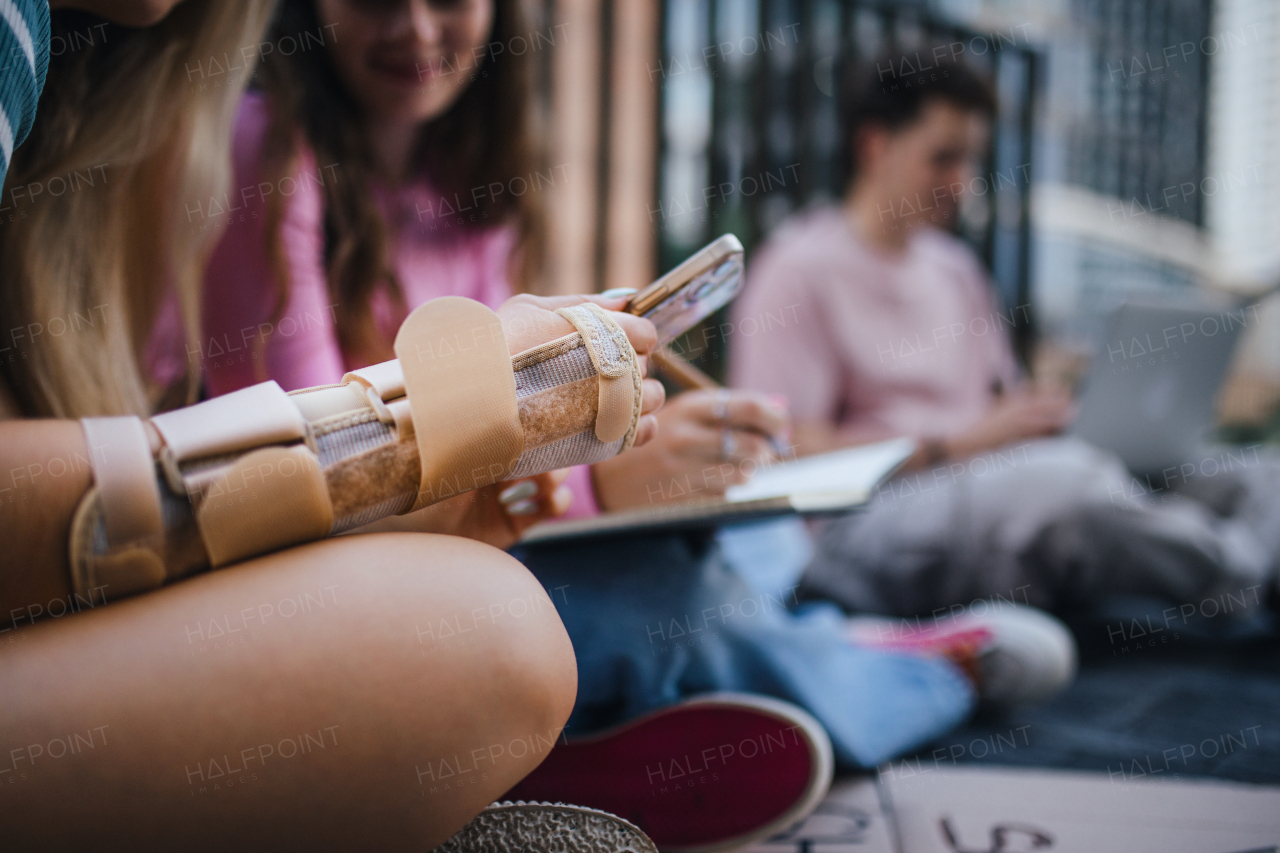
251 417
386 379
462 394
267 499
614 358
271 497
124 473
385 392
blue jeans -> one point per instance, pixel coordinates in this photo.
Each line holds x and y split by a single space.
655 619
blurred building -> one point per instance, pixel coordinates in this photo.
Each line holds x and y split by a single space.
682 120
1137 146
1244 148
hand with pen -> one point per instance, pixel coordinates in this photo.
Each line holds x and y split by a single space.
708 439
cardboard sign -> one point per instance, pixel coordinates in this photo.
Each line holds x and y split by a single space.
1004 810
850 820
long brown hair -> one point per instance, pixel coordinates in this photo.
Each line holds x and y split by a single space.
486 136
128 135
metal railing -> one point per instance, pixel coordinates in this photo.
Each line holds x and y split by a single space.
749 119
1148 97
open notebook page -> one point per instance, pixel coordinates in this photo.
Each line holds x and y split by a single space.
857 469
831 482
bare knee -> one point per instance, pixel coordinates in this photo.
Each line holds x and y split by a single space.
463 671
473 633
477 607
502 677
435 669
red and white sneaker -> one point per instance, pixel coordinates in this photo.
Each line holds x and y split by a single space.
710 773
1014 654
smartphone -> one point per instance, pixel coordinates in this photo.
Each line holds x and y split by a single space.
693 291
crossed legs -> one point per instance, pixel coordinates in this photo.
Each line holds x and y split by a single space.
364 692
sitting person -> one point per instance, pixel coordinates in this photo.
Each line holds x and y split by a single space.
896 333
206 694
328 270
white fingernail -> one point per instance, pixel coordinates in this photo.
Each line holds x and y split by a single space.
519 491
525 507
618 292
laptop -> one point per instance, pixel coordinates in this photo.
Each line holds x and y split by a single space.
1150 394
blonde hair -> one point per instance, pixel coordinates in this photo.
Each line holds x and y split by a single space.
138 130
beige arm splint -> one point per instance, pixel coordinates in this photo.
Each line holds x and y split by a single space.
258 469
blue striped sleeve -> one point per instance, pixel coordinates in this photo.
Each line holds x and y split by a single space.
24 59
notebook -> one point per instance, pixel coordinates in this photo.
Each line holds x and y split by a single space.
835 482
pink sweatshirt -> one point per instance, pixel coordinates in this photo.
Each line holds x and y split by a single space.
433 255
874 344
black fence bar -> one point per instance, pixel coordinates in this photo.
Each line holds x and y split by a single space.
1148 102
771 76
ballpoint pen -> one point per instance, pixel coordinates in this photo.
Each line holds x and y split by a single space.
688 377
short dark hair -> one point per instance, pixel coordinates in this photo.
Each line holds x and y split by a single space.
892 92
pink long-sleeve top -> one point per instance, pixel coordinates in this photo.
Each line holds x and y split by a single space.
434 254
874 344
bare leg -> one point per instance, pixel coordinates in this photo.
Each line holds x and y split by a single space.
367 692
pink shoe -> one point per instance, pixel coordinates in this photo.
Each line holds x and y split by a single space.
710 773
1014 654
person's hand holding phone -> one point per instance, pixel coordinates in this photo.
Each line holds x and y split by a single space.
696 288
531 320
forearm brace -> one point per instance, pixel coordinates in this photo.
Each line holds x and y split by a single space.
258 469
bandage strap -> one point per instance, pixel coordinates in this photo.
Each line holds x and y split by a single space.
618 411
269 493
258 469
124 476
125 473
461 389
251 417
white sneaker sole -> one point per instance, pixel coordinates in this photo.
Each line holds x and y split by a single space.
611 770
815 738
